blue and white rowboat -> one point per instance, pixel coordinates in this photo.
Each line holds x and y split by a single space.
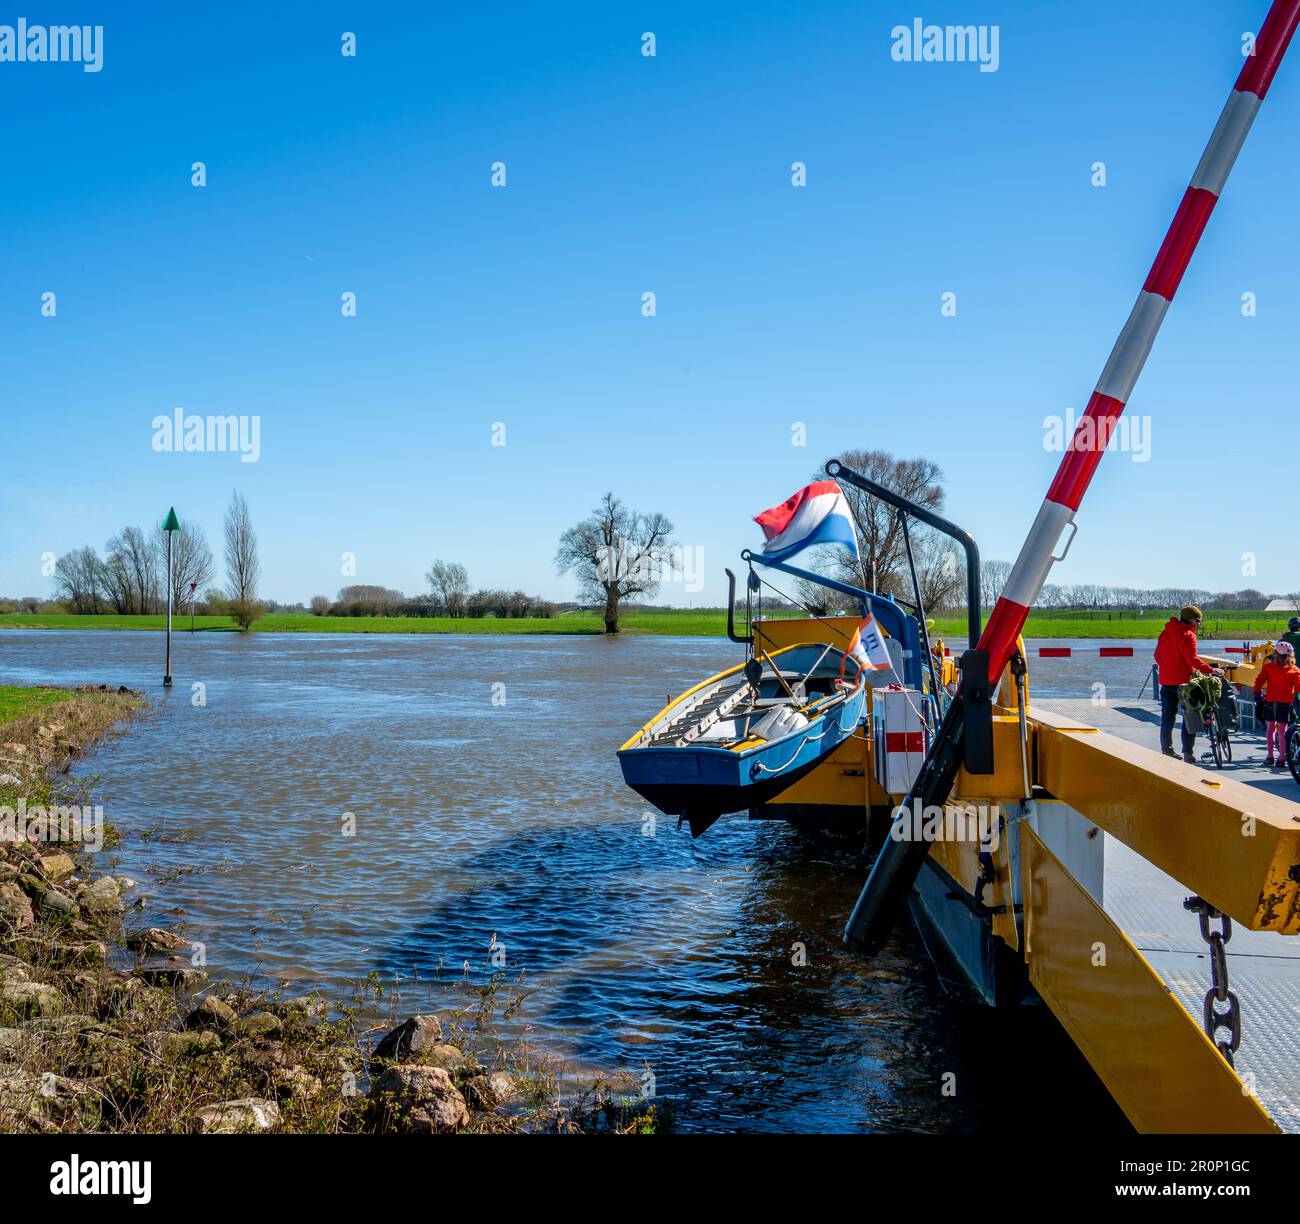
738 739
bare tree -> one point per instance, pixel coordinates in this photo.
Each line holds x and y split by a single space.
814 598
191 560
449 583
993 577
78 579
362 599
940 572
243 570
811 597
144 570
115 581
1052 596
615 553
131 568
880 538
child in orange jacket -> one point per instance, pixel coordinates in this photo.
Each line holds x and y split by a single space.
1275 689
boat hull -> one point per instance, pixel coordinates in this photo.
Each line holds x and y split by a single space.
701 783
702 805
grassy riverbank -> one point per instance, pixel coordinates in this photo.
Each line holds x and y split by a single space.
42 728
670 622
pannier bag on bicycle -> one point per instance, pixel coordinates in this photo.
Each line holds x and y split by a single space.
1198 693
1230 708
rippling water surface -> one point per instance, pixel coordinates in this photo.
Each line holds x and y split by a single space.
476 818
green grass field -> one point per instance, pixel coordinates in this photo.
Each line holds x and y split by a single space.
17 701
1255 625
674 622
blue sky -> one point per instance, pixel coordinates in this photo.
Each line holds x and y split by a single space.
628 174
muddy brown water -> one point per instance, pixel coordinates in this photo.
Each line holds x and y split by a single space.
483 811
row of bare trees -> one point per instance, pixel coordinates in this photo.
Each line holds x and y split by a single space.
449 595
131 577
616 555
1093 597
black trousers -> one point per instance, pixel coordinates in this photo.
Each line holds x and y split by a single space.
1169 716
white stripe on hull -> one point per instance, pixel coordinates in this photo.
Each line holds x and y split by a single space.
1225 143
1035 560
1133 346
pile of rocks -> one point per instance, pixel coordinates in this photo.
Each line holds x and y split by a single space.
424 1085
101 1030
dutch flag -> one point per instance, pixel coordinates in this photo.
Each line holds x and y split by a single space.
818 514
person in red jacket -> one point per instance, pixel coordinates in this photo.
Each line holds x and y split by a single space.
1177 661
1275 688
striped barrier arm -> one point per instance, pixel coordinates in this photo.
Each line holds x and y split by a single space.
1103 652
1107 652
894 872
1134 344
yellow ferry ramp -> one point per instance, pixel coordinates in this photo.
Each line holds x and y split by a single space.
1137 1034
1161 831
1236 845
1263 972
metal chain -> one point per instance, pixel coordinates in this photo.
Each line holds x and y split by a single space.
1214 1019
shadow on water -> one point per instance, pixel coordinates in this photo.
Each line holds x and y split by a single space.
735 1032
753 1016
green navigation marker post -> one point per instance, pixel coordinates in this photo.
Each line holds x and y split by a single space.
170 527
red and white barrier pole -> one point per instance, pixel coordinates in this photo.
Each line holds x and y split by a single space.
1102 652
895 870
1107 652
1134 344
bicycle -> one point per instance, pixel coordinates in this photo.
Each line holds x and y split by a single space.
1202 714
1216 731
1292 743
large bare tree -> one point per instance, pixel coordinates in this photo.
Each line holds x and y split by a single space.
615 553
940 570
449 582
882 563
243 570
115 580
131 572
78 579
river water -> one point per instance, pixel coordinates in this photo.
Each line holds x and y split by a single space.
342 805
